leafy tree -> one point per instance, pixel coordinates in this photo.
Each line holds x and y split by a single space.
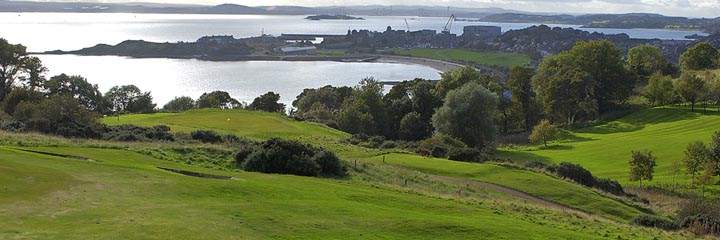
217 99
142 104
18 95
691 89
406 97
13 60
413 127
129 99
696 156
35 73
331 97
468 115
268 102
522 99
180 104
660 90
455 79
700 57
544 131
319 112
642 166
706 175
602 61
646 60
355 118
77 87
714 150
567 93
59 114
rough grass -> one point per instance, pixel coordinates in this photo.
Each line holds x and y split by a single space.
536 184
124 195
606 149
482 58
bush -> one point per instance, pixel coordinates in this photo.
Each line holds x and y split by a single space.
465 155
206 136
292 157
132 133
243 154
609 186
654 222
701 216
576 173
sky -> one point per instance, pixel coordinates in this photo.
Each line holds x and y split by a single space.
687 8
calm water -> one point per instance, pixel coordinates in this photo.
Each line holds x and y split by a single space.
169 78
70 31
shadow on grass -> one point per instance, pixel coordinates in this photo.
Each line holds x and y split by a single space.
568 136
522 156
556 147
638 121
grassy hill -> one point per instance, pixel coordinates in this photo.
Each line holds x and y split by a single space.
483 58
539 185
122 194
606 149
253 125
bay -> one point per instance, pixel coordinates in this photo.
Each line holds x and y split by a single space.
170 78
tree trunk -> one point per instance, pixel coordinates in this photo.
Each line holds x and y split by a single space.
545 141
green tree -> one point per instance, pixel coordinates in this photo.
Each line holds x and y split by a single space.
129 99
467 114
603 62
13 59
696 156
355 118
522 99
268 102
331 97
714 150
179 104
455 79
413 127
646 60
566 92
700 57
642 166
18 95
77 87
544 131
691 89
35 71
319 112
217 99
706 175
660 90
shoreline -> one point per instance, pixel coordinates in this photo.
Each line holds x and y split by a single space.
439 65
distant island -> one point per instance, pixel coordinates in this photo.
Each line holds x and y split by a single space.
332 17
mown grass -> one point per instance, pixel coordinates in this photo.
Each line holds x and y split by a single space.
124 195
606 149
536 184
482 58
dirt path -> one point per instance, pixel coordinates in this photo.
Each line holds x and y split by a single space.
519 194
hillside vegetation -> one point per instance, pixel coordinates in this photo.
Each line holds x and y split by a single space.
606 149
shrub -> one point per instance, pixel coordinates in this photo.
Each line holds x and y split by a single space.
292 157
654 222
576 173
609 186
133 133
701 216
206 136
243 154
465 154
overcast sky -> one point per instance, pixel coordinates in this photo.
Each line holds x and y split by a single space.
689 8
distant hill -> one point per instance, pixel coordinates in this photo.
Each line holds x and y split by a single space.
629 20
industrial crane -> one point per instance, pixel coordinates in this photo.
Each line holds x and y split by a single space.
448 25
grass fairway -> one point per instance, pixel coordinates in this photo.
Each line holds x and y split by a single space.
483 58
125 196
532 183
538 185
606 149
254 125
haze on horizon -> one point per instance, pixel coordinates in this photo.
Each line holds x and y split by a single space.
687 8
